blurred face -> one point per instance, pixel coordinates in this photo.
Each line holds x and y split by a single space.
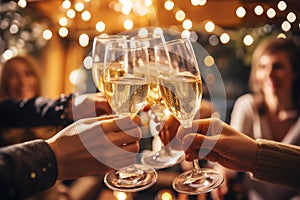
22 82
275 75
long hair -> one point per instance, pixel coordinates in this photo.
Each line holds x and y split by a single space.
30 64
269 46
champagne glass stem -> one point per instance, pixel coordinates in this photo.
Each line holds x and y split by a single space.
196 168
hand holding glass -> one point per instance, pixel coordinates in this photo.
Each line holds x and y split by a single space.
126 90
181 87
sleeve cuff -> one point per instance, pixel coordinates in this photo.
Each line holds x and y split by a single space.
277 163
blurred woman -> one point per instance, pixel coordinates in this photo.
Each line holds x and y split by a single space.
272 110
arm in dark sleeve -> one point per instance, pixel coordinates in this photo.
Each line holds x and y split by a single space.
26 169
38 111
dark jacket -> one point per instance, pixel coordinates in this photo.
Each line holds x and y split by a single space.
26 169
38 111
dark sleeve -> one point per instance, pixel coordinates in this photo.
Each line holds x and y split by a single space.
38 111
26 169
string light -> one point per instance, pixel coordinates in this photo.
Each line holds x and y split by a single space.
291 17
282 5
187 24
100 26
258 10
128 24
240 12
169 5
85 15
71 13
63 32
271 13
180 15
224 38
286 26
84 40
47 34
248 40
66 4
209 26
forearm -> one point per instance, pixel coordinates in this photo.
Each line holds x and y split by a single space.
278 163
26 169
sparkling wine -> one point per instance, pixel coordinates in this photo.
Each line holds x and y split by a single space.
98 75
126 94
182 93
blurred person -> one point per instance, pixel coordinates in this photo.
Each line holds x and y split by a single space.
33 166
22 105
26 115
271 110
267 160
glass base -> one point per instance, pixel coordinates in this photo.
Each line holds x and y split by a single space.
205 182
132 178
162 158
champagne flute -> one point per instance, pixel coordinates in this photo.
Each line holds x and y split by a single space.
98 51
166 156
126 92
181 88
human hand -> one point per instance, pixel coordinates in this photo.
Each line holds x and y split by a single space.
219 142
94 145
88 105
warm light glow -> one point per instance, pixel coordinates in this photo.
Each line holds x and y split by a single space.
148 3
63 21
209 26
100 26
79 6
22 3
271 13
195 2
73 76
126 8
248 40
166 196
85 15
63 32
282 5
8 54
83 40
158 31
120 195
185 34
47 34
88 62
202 2
281 35
180 15
13 29
258 10
209 61
143 32
240 12
187 24
128 24
71 13
291 17
224 38
169 5
286 26
66 4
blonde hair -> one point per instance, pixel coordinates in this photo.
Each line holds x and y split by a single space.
30 63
